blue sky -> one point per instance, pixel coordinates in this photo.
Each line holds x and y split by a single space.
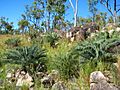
13 9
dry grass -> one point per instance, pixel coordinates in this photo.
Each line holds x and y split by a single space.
119 65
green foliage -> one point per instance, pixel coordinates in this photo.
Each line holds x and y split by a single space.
32 58
98 48
110 19
52 38
100 19
67 65
23 24
13 42
92 7
35 13
5 26
56 9
83 21
33 33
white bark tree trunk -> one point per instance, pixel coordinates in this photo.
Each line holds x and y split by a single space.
75 10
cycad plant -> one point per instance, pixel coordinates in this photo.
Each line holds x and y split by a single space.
52 38
98 48
31 58
13 42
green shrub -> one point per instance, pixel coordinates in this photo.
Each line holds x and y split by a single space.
13 42
67 65
52 38
98 48
33 34
32 58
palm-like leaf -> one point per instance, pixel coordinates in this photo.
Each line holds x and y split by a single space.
97 48
27 57
52 38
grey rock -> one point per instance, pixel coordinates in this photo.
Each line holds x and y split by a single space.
99 82
50 79
59 86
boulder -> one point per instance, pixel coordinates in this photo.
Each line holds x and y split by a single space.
99 82
9 75
50 79
24 79
40 74
118 29
47 82
59 86
97 76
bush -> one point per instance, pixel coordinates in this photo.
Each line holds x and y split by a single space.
32 58
52 38
67 65
13 42
98 48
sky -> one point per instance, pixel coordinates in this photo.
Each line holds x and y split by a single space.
13 9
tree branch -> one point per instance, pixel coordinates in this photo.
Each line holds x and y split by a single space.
107 6
72 5
76 6
117 10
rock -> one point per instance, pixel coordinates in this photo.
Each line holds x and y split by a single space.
111 31
92 35
40 74
102 86
99 82
9 75
118 29
72 39
97 76
1 82
47 82
59 86
24 79
68 34
50 79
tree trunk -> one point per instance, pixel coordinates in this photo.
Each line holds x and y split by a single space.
48 21
75 10
75 19
115 13
75 14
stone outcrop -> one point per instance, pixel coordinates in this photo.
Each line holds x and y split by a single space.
21 77
50 79
59 86
24 79
99 82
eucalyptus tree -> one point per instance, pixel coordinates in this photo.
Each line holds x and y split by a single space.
5 26
92 7
112 6
56 10
35 13
23 25
75 10
101 18
82 21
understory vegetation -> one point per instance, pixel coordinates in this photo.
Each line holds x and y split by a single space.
51 38
72 60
